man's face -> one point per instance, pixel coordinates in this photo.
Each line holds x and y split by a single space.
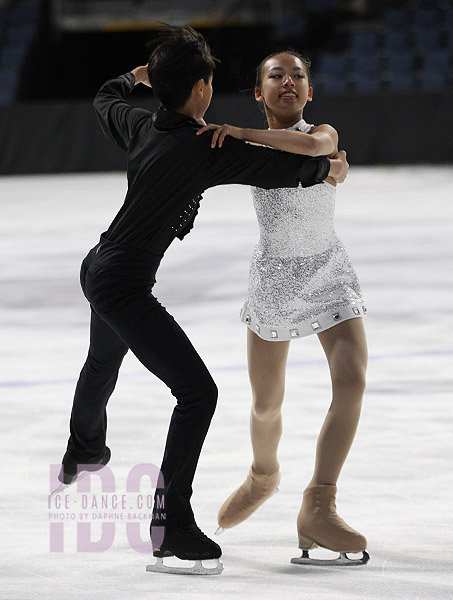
205 101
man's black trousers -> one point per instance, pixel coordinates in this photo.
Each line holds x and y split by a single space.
117 281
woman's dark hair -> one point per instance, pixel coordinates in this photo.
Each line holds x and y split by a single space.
304 59
180 58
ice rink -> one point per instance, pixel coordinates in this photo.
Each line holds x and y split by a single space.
397 484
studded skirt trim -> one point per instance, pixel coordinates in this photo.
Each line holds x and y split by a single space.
320 323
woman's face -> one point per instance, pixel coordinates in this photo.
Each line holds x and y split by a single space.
284 84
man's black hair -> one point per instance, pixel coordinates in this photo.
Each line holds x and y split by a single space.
180 58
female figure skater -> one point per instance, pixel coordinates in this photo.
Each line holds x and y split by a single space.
168 169
301 283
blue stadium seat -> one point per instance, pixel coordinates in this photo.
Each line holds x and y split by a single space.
401 83
436 62
9 79
426 17
365 42
402 64
448 18
449 40
290 26
366 65
433 81
426 39
6 97
20 34
368 85
395 41
334 86
13 56
333 65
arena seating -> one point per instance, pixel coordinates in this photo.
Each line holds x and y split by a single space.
18 28
404 50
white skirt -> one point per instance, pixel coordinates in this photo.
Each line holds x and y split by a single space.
298 296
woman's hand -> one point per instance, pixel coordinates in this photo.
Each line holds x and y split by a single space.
220 133
339 167
141 75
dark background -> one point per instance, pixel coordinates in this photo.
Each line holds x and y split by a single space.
385 113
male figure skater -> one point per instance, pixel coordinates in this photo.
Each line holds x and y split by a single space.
168 168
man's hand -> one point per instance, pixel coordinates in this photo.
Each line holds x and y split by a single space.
220 133
339 167
141 75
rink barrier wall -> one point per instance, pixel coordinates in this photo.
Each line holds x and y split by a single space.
374 129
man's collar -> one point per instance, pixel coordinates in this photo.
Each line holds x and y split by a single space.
167 119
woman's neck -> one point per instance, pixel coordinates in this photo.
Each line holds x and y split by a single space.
283 121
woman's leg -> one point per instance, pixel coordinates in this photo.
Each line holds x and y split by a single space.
346 350
267 368
267 365
318 522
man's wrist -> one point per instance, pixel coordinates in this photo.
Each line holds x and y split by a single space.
315 169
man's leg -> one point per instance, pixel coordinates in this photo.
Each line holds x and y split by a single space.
96 383
163 348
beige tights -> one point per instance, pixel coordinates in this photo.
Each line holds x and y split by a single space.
346 351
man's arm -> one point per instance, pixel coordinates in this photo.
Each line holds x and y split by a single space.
238 162
117 117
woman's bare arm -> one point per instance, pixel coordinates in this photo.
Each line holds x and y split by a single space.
321 141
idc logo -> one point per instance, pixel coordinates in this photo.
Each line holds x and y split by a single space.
96 517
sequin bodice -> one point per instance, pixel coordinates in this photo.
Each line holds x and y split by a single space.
295 221
301 278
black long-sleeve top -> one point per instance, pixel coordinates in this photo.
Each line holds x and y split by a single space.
169 166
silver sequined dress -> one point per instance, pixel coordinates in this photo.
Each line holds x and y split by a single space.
301 279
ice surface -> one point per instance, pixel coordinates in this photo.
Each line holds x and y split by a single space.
397 484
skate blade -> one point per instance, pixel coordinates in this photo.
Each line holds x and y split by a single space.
197 569
342 561
63 486
59 489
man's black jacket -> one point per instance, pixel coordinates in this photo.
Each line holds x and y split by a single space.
169 167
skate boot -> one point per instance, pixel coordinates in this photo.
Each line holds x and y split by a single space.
186 542
71 470
318 524
255 490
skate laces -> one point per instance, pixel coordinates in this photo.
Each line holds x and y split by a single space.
195 533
